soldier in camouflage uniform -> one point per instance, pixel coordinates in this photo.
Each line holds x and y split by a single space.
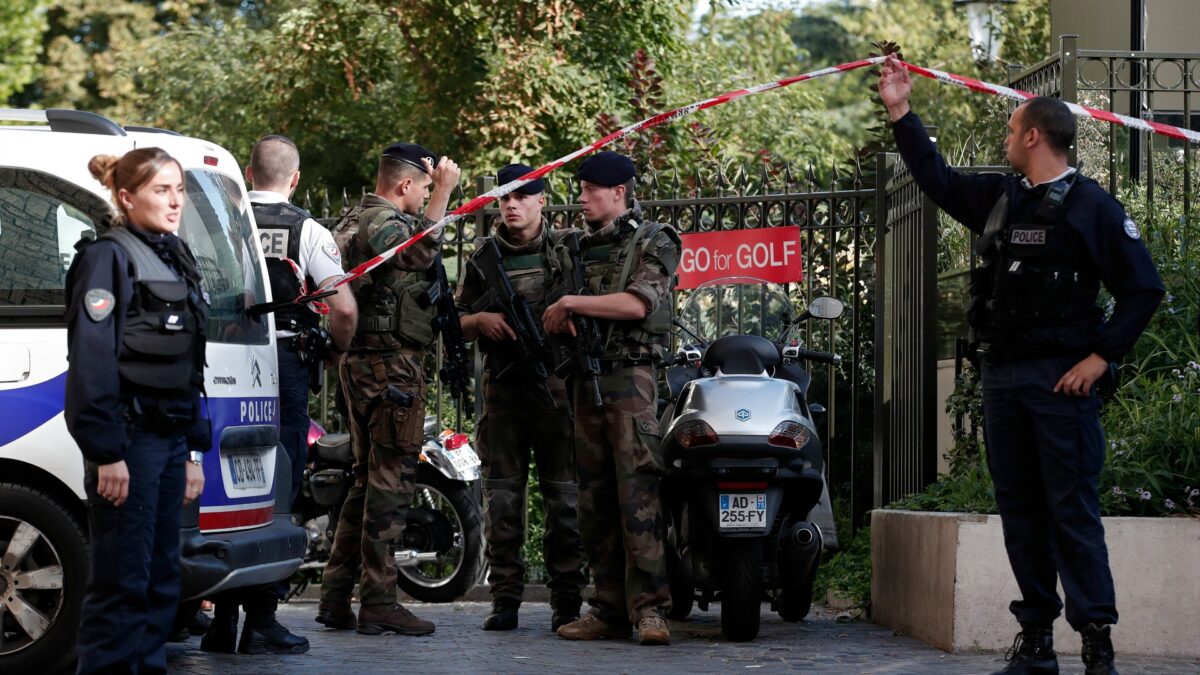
515 418
384 385
630 272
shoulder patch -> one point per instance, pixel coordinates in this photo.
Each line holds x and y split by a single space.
1131 229
99 303
332 251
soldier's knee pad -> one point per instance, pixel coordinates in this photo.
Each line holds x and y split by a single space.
504 484
565 493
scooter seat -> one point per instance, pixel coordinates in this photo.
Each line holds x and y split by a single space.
741 355
334 448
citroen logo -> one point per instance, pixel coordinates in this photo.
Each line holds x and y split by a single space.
256 374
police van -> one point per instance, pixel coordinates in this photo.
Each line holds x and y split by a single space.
234 535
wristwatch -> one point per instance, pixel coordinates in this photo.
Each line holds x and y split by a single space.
196 457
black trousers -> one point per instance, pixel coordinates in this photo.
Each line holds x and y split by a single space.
1045 451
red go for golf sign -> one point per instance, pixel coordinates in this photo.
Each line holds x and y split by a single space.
767 253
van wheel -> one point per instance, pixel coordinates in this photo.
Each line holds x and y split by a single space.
43 571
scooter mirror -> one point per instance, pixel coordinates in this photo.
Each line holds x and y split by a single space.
826 307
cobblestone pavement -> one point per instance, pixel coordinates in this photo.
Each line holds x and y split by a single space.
817 645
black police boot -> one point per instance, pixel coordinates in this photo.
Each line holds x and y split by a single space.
565 611
221 636
1032 652
1098 650
270 638
503 616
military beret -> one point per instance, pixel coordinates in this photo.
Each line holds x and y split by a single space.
515 171
410 153
606 168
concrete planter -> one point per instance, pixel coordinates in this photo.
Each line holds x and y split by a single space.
944 578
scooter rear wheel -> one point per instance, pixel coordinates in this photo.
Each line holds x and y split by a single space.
741 589
682 594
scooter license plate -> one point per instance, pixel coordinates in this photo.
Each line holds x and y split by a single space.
463 458
742 511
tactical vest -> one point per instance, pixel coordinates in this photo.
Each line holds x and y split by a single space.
608 269
1034 273
162 348
280 226
529 273
390 311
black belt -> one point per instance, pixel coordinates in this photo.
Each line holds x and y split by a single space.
608 366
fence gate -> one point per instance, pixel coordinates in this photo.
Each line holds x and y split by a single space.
905 433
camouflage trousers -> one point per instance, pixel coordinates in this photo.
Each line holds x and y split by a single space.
619 460
386 439
514 420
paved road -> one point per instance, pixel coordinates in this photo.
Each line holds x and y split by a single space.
817 645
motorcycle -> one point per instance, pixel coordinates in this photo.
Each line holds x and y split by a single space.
745 470
440 554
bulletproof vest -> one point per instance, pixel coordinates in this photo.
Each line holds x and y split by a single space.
529 272
1034 273
279 228
608 269
390 311
162 348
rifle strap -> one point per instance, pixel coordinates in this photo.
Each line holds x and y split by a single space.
645 233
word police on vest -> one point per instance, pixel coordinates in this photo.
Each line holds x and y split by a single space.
262 410
274 243
1029 236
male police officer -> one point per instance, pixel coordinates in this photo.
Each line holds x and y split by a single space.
617 444
1048 240
384 384
289 236
515 419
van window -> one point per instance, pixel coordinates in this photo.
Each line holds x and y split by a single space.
216 226
41 219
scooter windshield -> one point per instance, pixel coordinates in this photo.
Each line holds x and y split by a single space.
737 306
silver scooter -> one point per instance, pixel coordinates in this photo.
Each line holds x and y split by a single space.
745 472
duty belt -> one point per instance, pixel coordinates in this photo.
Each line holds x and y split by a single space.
405 350
608 366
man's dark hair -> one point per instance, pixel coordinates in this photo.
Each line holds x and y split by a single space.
630 188
274 160
392 171
1053 118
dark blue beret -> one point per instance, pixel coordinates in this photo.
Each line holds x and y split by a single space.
606 168
515 171
410 153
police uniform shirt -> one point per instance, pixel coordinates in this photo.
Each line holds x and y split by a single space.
1112 241
319 255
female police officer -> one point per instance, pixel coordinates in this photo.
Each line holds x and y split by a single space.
135 331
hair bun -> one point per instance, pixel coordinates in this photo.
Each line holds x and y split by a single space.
102 167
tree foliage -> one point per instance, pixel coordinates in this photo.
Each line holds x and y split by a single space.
22 23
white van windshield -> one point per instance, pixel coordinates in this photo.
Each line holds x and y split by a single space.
216 226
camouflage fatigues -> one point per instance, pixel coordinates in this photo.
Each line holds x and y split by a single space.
518 416
617 445
386 438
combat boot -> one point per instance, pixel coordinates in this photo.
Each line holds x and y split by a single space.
270 638
221 636
503 616
652 630
393 618
340 617
565 612
1032 652
592 627
1098 650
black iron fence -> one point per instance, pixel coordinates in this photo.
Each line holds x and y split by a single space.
838 239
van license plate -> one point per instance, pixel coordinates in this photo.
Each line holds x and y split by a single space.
742 511
246 471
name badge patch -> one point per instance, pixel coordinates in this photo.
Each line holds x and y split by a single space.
99 303
1035 237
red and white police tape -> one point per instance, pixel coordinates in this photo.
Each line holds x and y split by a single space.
662 118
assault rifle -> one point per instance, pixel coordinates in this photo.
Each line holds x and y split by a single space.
584 349
531 347
455 360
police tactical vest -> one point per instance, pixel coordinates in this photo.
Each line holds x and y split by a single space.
390 313
162 347
280 226
608 269
1034 273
